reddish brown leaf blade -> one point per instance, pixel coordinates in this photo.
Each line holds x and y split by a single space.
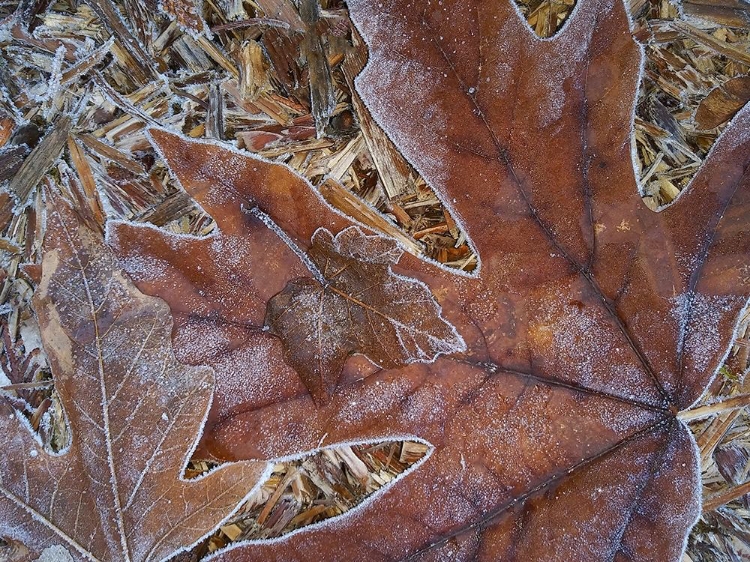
225 182
560 329
357 306
708 225
581 324
681 282
117 492
189 272
403 402
647 509
517 140
520 439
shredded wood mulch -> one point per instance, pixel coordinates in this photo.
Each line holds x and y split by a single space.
81 81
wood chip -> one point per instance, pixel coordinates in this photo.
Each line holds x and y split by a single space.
40 160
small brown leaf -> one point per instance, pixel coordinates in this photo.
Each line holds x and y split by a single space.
118 491
218 319
261 261
357 305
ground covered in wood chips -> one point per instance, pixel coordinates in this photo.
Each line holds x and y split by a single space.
80 81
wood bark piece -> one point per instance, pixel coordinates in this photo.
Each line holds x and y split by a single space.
112 18
283 10
341 198
708 40
393 170
90 197
322 92
11 158
40 160
110 153
732 13
723 102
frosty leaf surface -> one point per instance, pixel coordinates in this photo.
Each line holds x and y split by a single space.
589 324
521 468
269 244
116 492
357 304
579 281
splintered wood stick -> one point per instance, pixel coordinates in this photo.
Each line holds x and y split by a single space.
730 404
724 498
40 160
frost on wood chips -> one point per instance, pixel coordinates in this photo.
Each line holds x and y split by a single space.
537 394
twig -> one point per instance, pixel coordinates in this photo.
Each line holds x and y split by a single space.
725 497
251 22
23 385
733 403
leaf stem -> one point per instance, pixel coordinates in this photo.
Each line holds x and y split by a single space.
301 254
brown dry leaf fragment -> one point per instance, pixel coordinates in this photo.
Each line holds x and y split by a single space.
356 305
117 491
187 13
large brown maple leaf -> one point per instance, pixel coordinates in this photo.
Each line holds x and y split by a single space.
589 324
